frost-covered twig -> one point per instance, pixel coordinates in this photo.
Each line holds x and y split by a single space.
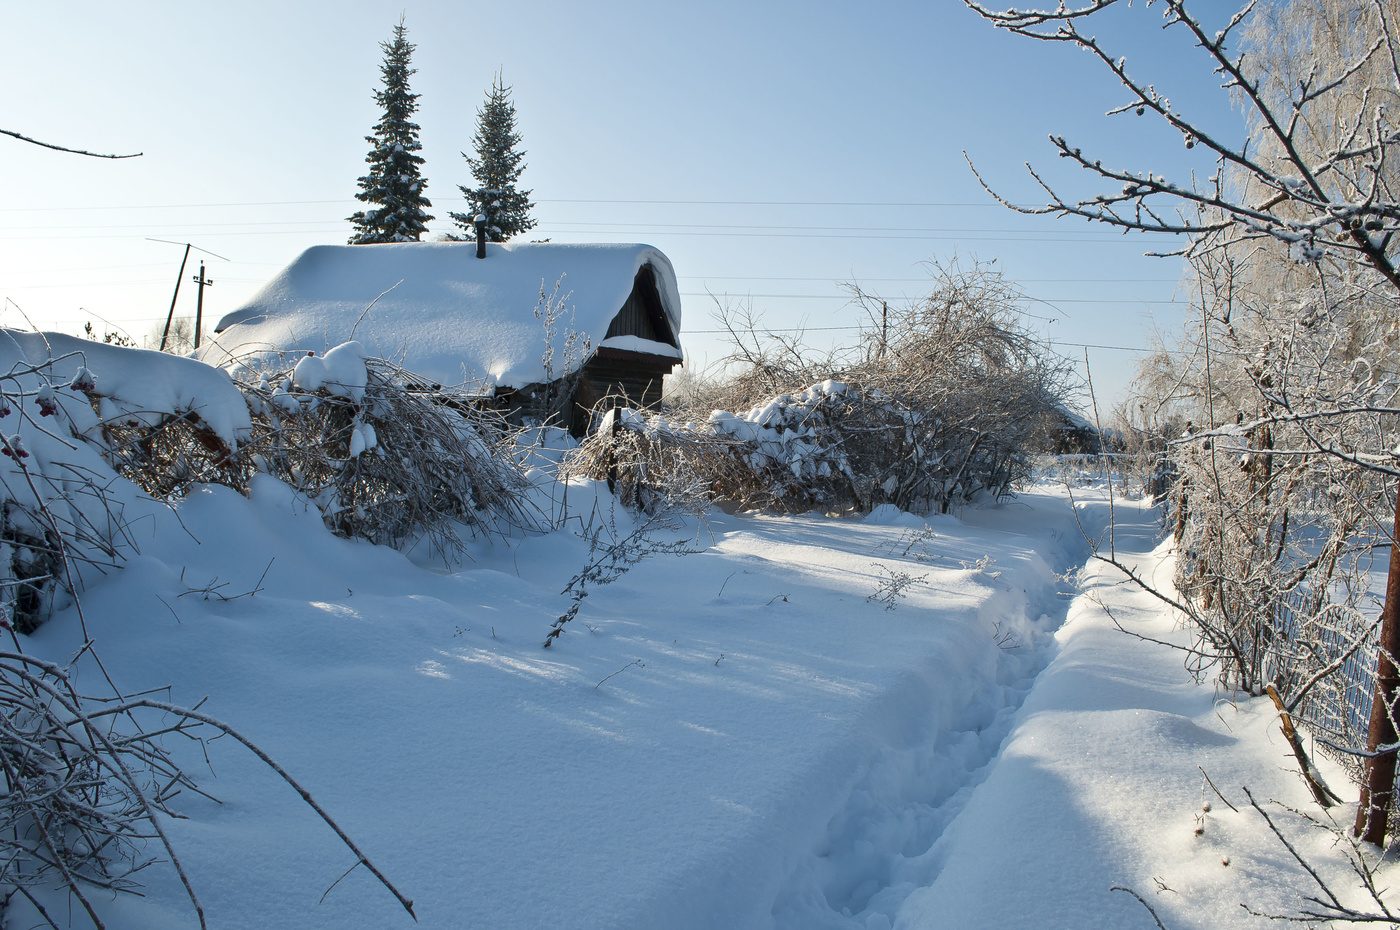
1332 908
635 662
610 557
1144 903
893 586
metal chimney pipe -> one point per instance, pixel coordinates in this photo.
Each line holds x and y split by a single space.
480 223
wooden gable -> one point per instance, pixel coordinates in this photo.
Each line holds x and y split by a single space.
642 314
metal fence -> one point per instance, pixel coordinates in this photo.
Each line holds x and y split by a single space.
1337 711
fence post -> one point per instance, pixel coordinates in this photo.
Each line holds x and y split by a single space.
1378 785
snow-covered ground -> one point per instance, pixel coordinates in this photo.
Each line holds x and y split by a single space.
743 737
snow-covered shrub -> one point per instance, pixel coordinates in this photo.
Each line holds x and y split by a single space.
939 400
831 447
976 385
386 456
650 462
84 785
74 415
788 444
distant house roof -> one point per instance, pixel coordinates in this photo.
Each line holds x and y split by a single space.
451 317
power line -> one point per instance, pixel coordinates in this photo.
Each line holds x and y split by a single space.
773 329
613 228
1109 238
830 329
1058 300
926 280
144 282
787 203
1091 345
840 229
188 225
684 277
351 200
178 206
137 235
746 295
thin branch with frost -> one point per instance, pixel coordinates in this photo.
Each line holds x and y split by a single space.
63 148
1330 907
1330 219
361 858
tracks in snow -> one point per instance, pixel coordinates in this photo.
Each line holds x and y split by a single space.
881 844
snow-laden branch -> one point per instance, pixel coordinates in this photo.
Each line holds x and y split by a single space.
63 148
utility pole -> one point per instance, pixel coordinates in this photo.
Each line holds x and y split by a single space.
199 302
180 276
201 280
1378 785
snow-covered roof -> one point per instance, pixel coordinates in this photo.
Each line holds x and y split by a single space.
450 317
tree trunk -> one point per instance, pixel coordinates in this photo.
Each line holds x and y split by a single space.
1378 787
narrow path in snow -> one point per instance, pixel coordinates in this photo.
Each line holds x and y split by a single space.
876 848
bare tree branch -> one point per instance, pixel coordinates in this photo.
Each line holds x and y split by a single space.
62 148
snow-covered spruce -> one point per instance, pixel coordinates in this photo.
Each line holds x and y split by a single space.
497 167
395 182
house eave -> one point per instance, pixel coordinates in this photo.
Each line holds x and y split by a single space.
610 354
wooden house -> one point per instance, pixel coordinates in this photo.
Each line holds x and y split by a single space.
540 330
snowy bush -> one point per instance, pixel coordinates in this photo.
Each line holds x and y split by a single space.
940 400
650 462
74 414
86 787
385 455
830 447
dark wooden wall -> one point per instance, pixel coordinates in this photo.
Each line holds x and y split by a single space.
642 315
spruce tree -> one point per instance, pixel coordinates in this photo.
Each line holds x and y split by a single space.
393 182
496 167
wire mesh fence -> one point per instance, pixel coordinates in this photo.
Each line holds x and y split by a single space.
1313 637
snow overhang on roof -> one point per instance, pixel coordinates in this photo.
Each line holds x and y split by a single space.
443 313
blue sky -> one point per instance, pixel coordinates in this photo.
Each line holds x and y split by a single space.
772 150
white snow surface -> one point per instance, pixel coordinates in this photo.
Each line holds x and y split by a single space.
447 315
134 383
340 372
638 344
738 738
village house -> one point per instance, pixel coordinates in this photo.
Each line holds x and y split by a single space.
538 330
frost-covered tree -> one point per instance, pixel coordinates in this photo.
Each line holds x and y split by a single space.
394 183
496 167
1290 373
